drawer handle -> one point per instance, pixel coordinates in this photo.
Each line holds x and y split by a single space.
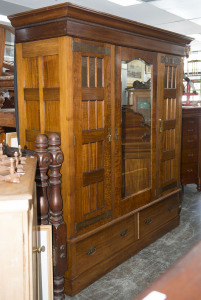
190 130
190 155
170 208
189 170
124 232
148 221
191 122
190 141
91 251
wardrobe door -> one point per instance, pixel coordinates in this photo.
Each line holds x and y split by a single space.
135 125
38 87
92 127
169 92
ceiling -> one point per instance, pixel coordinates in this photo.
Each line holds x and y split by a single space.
181 16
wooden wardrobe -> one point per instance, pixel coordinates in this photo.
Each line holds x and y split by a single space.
76 70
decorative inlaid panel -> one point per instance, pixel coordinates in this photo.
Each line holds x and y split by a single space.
51 71
52 116
170 77
31 79
170 108
92 156
92 71
93 197
93 114
169 170
33 109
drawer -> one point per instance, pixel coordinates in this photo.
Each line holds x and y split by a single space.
189 142
189 156
189 126
158 214
189 122
189 170
103 244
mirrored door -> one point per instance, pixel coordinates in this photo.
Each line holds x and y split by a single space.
135 102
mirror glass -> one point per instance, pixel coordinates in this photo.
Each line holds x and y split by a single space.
136 102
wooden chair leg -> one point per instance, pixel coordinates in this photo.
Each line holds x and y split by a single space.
43 157
56 218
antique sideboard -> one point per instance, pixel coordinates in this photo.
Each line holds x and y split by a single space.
121 172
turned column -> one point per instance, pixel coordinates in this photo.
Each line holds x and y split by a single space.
55 217
43 158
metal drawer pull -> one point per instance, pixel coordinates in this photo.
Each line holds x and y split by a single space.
189 170
124 232
190 155
39 249
190 141
191 122
91 251
148 221
190 130
170 208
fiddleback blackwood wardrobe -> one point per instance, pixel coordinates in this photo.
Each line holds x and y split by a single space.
112 90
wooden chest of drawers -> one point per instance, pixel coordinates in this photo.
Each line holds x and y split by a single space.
191 142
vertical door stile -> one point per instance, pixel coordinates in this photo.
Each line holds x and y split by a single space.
20 90
41 100
67 129
114 130
117 152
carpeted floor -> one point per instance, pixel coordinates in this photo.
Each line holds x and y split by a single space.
130 278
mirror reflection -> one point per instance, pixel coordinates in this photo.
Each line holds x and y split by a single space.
136 126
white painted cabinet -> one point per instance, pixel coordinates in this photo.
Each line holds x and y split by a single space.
18 220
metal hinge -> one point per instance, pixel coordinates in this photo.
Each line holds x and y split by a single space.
160 126
116 134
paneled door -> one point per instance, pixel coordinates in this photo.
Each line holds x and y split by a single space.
38 89
92 126
135 127
170 74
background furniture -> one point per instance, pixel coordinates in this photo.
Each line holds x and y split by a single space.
191 145
7 122
7 111
69 65
18 220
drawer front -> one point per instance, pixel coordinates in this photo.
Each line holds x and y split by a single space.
101 245
189 126
158 214
189 156
189 170
189 142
